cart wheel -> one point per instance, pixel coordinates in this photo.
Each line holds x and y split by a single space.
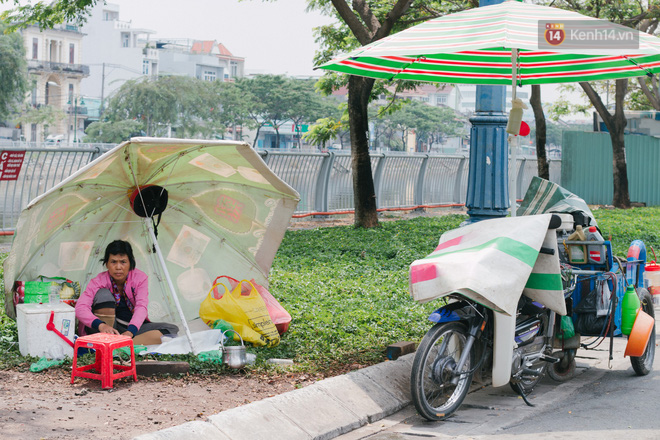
564 369
644 363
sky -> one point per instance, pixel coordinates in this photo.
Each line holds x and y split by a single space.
273 37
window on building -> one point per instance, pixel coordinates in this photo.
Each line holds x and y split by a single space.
33 133
209 75
34 97
35 48
145 67
234 70
46 95
125 39
72 53
442 99
71 94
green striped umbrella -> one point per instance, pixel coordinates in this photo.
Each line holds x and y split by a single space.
506 43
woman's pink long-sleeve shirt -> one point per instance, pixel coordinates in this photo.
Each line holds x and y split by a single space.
136 288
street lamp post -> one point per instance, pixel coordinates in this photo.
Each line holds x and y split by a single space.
75 115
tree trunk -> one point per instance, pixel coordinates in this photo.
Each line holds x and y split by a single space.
621 197
256 137
615 125
539 118
364 195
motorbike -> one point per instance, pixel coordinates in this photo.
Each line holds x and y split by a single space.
513 330
461 343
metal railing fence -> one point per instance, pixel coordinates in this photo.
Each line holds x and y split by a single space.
42 169
323 180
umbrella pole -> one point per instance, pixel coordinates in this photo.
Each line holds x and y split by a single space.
513 140
150 228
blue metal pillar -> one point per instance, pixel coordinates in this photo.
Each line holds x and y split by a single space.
488 175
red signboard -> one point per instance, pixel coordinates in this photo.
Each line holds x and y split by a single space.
10 164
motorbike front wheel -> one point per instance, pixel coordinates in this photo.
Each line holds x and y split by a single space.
437 388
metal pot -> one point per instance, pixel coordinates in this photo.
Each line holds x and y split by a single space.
235 356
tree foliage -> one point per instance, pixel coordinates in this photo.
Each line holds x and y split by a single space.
430 124
13 72
637 15
46 14
361 22
44 115
112 133
192 108
324 130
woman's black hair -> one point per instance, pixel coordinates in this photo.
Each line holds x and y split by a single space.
119 247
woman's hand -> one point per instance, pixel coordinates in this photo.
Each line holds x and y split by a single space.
127 333
105 328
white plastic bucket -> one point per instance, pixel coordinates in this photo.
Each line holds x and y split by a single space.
652 280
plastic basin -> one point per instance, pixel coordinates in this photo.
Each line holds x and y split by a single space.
640 334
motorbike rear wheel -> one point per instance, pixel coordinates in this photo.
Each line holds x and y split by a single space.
563 370
437 389
644 363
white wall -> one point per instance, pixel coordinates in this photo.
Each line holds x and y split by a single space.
103 44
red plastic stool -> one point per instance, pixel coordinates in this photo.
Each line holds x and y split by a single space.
104 344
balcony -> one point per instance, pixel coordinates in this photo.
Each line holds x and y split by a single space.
52 67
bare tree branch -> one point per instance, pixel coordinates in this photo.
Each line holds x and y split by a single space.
395 13
597 102
352 21
372 23
650 95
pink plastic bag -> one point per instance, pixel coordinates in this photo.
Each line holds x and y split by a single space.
277 313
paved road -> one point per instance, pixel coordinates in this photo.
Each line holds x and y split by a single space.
599 403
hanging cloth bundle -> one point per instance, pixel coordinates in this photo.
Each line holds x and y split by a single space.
149 201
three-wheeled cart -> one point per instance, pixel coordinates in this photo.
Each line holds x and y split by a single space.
595 283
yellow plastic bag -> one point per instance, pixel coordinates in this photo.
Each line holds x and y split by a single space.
244 309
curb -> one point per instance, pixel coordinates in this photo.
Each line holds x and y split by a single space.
323 410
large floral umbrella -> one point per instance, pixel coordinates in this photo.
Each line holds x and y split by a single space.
507 43
223 213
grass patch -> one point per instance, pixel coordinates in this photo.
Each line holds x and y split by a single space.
347 289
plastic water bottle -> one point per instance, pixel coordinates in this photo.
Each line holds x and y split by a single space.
54 294
629 307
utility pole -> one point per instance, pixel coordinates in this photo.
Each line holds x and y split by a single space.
102 90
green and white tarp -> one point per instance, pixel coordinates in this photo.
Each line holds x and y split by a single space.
495 44
544 196
493 262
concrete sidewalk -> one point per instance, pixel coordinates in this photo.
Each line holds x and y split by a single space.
323 410
341 404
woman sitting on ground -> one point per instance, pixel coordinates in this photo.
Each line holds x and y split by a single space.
115 301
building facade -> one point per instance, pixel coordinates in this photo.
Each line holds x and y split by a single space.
207 60
115 52
55 64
